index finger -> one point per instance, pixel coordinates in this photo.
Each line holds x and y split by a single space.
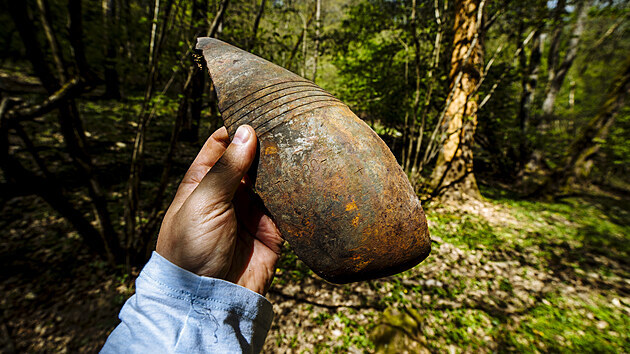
209 154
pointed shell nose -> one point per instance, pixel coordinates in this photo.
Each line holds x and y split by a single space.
254 91
334 189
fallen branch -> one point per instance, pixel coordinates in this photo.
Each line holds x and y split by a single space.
71 89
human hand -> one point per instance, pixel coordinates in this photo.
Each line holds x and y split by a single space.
213 227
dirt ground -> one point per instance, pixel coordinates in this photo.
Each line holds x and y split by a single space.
507 295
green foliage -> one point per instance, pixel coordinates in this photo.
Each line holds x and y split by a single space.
375 58
371 61
615 158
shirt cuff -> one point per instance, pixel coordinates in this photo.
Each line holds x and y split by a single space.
212 293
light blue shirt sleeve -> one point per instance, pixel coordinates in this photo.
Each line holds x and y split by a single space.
176 311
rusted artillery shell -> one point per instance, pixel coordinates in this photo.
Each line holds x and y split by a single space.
334 189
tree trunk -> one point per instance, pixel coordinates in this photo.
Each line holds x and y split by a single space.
189 112
112 88
453 172
417 166
23 23
75 35
251 44
154 28
132 242
298 42
557 73
195 80
318 27
579 156
217 23
410 126
304 34
528 89
44 17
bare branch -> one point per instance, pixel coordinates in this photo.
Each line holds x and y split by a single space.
71 89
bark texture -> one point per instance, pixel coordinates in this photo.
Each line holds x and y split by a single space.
453 172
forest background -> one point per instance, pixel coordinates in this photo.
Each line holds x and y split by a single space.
509 117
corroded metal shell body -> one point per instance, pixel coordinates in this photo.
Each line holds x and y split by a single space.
333 187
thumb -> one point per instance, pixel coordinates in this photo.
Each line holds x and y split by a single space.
220 183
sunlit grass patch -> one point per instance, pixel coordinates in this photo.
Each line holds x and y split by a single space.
515 275
433 329
469 230
560 324
578 233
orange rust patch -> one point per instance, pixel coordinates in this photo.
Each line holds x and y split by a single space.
355 221
351 206
360 264
270 150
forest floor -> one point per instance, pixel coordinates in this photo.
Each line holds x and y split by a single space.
503 275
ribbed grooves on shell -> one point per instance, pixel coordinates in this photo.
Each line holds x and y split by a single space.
272 100
275 104
254 96
268 125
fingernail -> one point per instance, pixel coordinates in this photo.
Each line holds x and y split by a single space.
241 136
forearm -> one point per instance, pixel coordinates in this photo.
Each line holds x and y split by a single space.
174 310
